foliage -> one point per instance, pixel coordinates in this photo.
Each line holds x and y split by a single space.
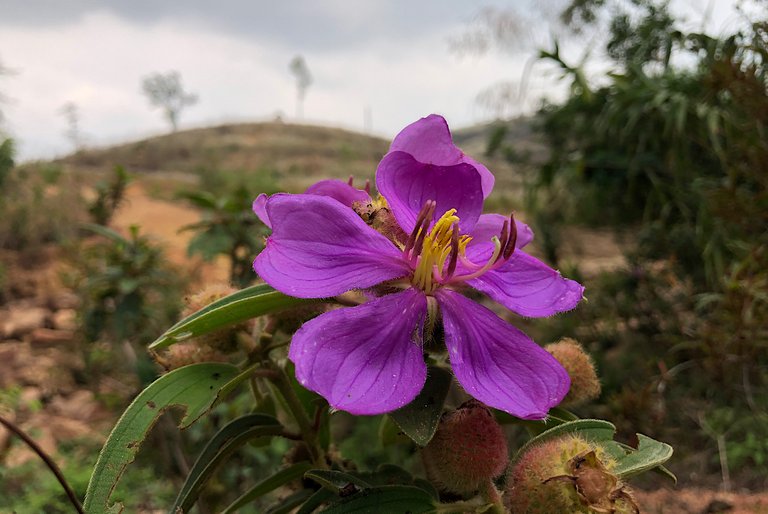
126 287
39 204
669 150
109 196
228 227
28 489
165 90
6 159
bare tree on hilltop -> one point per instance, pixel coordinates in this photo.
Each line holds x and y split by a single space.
300 70
165 90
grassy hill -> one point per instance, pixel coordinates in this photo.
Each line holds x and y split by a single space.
290 156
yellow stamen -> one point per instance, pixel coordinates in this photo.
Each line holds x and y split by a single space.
435 251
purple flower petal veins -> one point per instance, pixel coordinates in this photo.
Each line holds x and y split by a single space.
408 184
429 141
365 359
497 363
333 188
529 287
319 248
340 191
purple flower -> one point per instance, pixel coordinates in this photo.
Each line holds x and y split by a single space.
426 239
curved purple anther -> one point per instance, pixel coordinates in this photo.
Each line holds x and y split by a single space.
351 180
367 187
429 213
510 248
503 239
420 227
454 252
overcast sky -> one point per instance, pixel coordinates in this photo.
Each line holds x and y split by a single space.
390 57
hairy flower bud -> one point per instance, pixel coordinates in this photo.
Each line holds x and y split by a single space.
566 474
585 385
468 450
224 338
211 347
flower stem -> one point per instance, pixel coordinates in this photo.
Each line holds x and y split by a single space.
491 495
308 432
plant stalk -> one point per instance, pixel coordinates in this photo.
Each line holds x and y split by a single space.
48 462
308 432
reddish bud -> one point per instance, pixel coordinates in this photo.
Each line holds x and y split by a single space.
468 450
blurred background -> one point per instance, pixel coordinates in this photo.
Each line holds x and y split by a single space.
630 134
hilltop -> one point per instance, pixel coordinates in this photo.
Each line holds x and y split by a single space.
292 155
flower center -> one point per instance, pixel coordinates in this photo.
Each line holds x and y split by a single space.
434 253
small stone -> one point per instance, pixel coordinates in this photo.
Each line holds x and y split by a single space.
80 405
43 337
65 319
63 300
23 321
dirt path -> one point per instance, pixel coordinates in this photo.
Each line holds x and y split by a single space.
162 220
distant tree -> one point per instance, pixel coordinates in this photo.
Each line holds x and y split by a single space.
71 114
300 70
3 71
165 90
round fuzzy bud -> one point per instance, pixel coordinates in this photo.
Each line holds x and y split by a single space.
566 474
585 385
224 338
467 451
188 352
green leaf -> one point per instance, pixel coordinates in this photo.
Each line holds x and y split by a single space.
194 387
226 441
390 433
335 481
596 430
665 472
419 419
240 306
105 232
269 484
287 505
318 498
386 499
649 454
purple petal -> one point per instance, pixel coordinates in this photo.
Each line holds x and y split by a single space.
407 185
489 225
529 287
429 141
320 248
497 363
365 359
339 190
260 208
